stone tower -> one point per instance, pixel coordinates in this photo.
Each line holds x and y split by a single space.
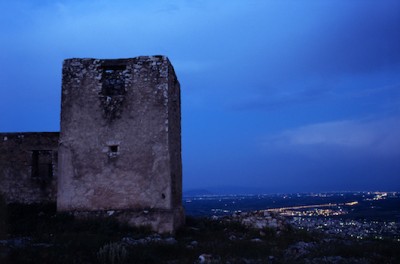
120 141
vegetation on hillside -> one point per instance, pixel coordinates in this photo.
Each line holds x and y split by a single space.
36 234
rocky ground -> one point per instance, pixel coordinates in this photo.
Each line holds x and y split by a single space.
38 235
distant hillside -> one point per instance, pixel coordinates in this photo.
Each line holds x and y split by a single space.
197 192
225 190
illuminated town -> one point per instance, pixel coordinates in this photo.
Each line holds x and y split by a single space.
358 215
327 219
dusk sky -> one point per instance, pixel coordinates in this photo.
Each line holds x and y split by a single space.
277 95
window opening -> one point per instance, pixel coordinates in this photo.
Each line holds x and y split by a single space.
42 164
113 151
114 148
113 80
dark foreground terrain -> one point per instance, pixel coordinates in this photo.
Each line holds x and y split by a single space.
36 234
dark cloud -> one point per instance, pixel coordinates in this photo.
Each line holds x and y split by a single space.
357 37
278 101
357 137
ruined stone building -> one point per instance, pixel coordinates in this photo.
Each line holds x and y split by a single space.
28 167
119 150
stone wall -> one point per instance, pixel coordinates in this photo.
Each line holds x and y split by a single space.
120 147
28 167
174 137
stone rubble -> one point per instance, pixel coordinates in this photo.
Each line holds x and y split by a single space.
155 238
260 220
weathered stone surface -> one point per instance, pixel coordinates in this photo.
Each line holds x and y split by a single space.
260 219
120 142
28 167
120 146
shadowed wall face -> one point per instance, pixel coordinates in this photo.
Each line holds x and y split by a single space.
120 143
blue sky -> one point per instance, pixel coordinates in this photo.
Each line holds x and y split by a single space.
277 96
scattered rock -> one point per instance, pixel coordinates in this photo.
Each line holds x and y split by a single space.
259 220
18 242
150 239
205 258
299 249
169 241
336 260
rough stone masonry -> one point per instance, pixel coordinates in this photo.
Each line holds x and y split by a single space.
119 150
28 167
